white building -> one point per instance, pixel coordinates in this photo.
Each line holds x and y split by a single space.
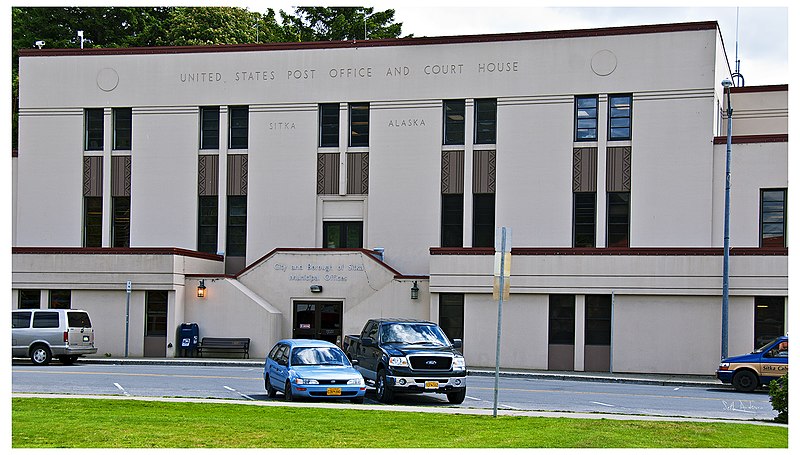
311 186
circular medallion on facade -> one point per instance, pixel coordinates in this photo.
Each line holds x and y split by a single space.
604 62
107 79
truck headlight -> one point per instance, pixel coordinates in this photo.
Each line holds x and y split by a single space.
398 362
356 381
306 381
724 366
459 364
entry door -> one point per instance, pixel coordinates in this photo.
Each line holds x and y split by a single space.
318 320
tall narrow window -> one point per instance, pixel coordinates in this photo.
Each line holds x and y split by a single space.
453 220
93 129
483 220
486 121
237 226
238 126
60 299
453 122
770 319
121 222
329 125
586 118
451 315
93 221
619 219
773 218
598 320
359 124
29 299
156 313
122 128
207 224
619 117
561 326
342 234
584 214
209 128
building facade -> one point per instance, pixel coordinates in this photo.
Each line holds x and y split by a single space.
307 187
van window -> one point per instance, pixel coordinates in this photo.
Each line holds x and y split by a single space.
78 319
45 320
20 319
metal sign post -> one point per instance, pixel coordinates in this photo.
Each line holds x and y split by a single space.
500 290
127 314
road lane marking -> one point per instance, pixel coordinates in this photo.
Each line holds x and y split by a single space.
240 393
473 398
123 390
604 404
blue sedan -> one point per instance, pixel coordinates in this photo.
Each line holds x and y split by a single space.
311 369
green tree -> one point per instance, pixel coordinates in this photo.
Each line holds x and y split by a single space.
339 23
218 25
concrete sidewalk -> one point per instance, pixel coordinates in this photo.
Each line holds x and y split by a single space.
628 378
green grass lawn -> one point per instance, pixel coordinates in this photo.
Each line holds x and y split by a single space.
47 422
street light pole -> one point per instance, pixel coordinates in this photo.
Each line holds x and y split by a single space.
726 84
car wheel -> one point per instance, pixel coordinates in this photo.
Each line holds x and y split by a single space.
382 390
287 392
457 397
358 400
40 355
271 392
68 359
745 381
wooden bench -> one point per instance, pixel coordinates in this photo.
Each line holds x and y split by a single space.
215 344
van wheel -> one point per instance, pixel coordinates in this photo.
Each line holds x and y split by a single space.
40 355
745 381
68 359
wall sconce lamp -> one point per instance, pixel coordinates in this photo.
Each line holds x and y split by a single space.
316 288
414 291
201 289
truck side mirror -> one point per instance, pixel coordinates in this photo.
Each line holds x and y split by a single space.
367 342
457 343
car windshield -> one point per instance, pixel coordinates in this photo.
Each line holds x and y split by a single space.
764 348
413 333
318 356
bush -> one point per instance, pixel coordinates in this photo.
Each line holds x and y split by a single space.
779 396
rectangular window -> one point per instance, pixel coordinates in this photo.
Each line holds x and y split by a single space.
454 122
121 222
237 226
453 220
770 319
451 315
20 319
342 234
584 215
561 323
586 118
93 129
60 299
29 299
773 218
207 224
156 313
45 320
483 220
209 127
619 117
486 121
359 124
122 128
329 125
619 219
92 221
238 126
598 320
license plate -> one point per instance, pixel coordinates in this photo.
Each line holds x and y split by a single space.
334 391
85 339
431 384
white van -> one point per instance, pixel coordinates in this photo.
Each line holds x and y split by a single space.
44 334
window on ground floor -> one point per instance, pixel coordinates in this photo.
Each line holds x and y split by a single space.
561 326
29 299
156 313
451 315
770 319
60 299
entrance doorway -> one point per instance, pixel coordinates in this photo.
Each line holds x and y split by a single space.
318 320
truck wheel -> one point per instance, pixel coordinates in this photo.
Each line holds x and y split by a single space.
271 392
382 390
287 392
745 381
457 397
40 355
68 359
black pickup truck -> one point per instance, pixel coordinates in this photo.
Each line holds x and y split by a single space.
408 356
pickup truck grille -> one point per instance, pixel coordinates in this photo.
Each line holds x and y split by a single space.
430 362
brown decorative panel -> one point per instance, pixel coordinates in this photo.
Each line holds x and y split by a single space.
358 173
237 175
618 169
120 176
208 175
328 173
483 171
93 176
453 172
584 169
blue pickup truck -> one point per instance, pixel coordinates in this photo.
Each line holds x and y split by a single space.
760 367
408 356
